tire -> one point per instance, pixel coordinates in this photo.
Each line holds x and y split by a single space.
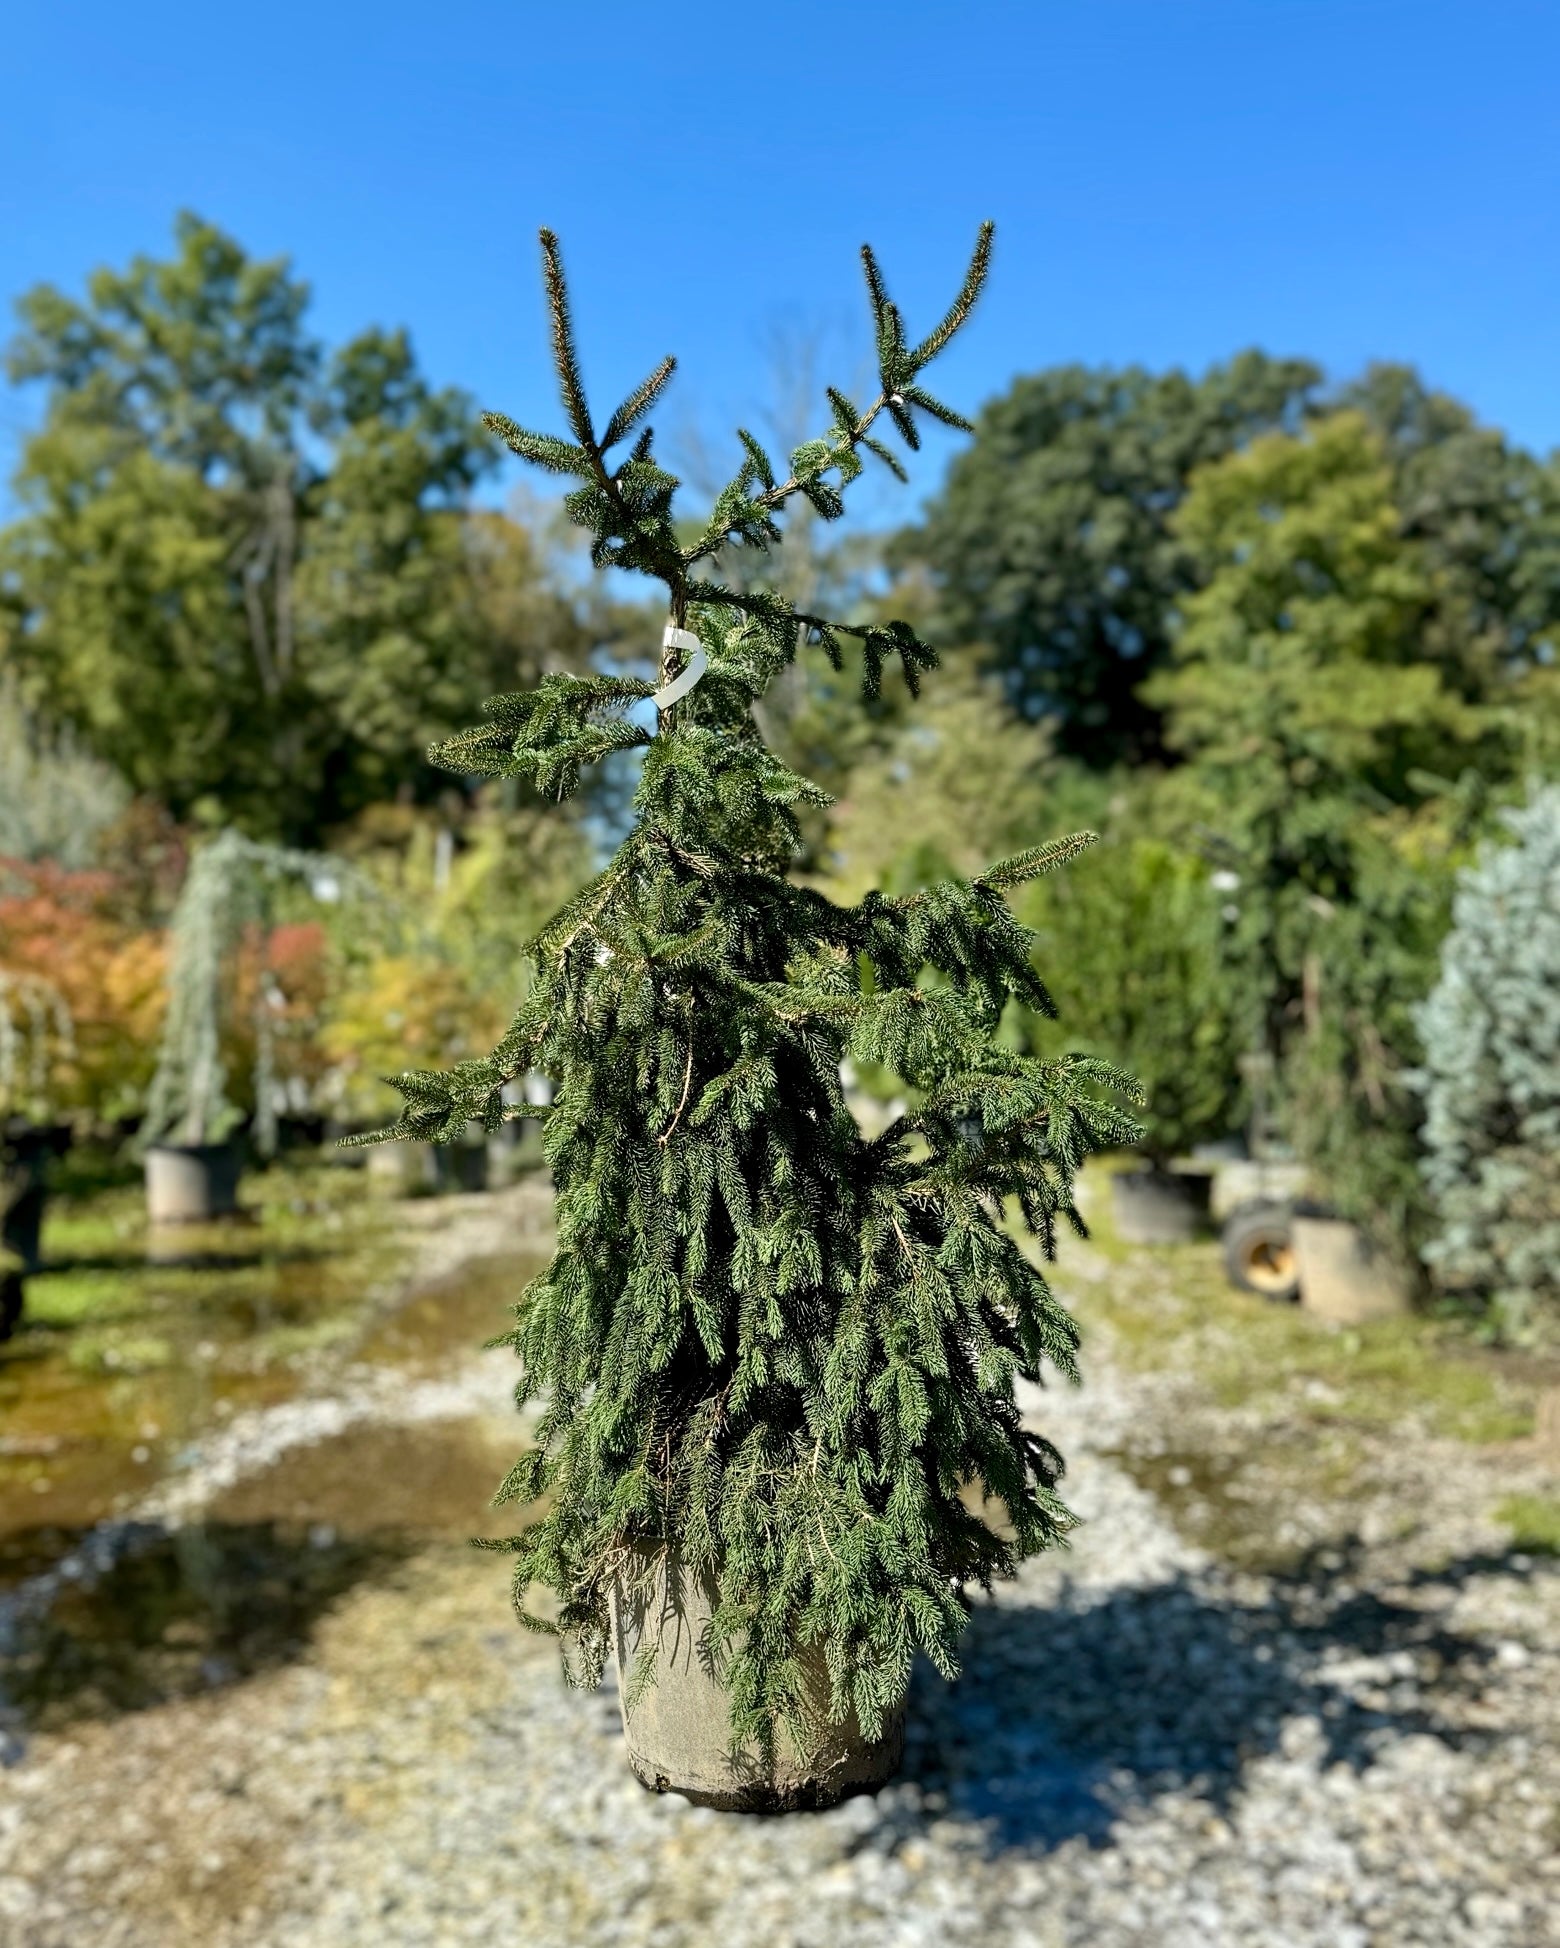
1259 1252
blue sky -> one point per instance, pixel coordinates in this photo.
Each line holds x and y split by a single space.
1171 180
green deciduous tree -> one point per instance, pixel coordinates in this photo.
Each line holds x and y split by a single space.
942 787
766 1346
243 568
1318 738
1484 518
1053 542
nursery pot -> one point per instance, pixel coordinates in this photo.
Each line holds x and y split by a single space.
1343 1279
461 1166
1160 1207
514 1149
25 1150
403 1168
678 1733
191 1183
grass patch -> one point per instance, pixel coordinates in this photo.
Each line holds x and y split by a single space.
99 1352
312 1242
1534 1522
118 1320
1173 1304
131 1344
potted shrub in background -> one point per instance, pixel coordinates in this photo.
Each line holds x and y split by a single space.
469 888
1491 1080
35 1037
417 1004
777 1359
1131 955
190 1132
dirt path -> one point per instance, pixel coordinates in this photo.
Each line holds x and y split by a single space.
1165 1736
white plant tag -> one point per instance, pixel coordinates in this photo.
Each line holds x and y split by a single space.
698 663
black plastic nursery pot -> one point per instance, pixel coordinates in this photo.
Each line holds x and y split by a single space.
25 1153
192 1183
461 1166
26 1150
1161 1207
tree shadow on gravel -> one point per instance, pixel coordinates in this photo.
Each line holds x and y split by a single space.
1068 1716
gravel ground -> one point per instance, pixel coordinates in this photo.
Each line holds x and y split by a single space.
1356 1748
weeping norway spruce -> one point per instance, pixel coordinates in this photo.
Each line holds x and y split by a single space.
775 1360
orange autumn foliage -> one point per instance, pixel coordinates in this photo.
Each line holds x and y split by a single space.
61 928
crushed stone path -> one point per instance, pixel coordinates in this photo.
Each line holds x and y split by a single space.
1148 1747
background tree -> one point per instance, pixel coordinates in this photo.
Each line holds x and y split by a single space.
56 802
936 789
1052 543
228 913
1133 957
1318 738
1491 1077
463 891
1484 518
63 933
244 567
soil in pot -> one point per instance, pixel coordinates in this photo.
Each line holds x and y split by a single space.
678 1730
191 1183
1160 1207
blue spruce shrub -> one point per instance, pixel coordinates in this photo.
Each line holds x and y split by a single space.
1491 1077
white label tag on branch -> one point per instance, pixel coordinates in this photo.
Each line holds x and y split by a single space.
698 663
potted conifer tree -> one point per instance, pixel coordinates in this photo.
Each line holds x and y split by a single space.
777 1359
1491 1078
190 1132
1136 948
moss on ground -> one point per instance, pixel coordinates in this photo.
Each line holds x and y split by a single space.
1534 1522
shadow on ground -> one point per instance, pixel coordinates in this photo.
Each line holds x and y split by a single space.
1068 1716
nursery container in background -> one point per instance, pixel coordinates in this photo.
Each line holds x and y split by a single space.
414 1169
404 1169
1160 1207
1343 1278
25 1152
462 1166
191 1183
